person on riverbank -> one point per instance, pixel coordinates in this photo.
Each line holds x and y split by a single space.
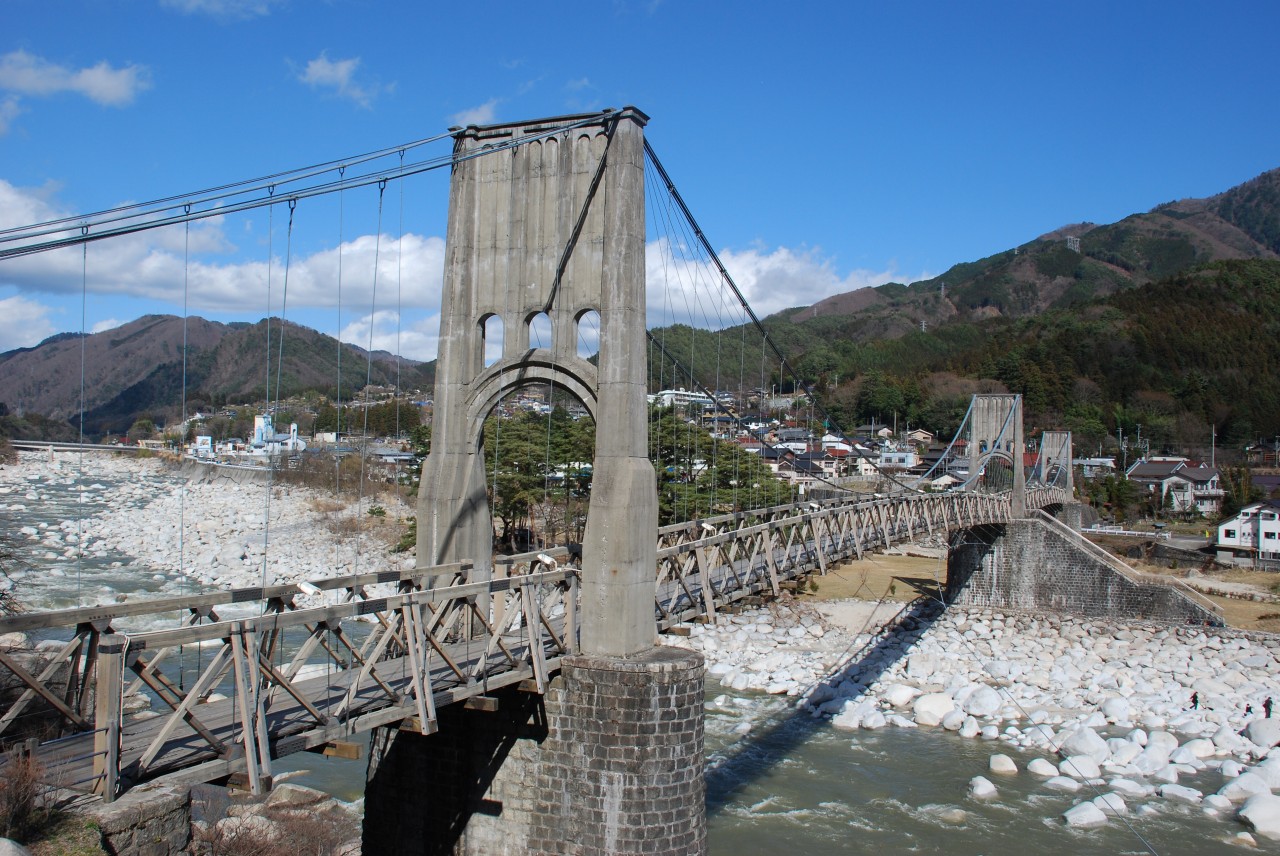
1266 707
1195 701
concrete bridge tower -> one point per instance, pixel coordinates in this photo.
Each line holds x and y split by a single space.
996 432
610 759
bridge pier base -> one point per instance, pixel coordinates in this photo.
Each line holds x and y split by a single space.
610 761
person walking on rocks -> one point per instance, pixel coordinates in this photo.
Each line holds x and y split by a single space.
1266 707
1195 701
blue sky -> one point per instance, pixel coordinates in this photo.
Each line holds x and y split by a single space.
822 146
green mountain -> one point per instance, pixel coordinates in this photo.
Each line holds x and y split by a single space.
137 369
1167 320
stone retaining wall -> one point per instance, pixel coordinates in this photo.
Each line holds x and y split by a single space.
1027 565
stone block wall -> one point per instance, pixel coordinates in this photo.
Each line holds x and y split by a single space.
610 761
149 820
1025 564
623 773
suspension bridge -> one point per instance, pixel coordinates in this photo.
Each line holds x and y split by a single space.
547 260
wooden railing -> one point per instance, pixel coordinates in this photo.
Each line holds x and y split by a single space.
282 679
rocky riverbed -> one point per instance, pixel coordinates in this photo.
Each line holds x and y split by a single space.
198 526
1117 714
1120 718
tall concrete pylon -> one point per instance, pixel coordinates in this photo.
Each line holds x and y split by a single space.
995 429
554 225
1056 464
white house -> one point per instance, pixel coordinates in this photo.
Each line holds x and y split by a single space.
680 398
1252 534
898 459
1092 468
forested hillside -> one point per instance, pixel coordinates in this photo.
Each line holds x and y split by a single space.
1179 355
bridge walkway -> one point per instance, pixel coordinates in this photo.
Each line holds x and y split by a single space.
301 678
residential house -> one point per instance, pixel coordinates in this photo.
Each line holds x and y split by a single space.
1253 534
1184 487
1096 468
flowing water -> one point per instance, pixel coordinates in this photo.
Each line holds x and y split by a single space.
791 784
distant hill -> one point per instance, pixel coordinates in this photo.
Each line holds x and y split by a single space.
137 369
1047 273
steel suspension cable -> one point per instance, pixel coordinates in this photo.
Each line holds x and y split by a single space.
724 272
368 374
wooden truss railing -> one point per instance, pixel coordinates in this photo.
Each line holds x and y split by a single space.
706 564
286 679
294 679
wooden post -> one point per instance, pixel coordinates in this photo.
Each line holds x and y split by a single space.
106 718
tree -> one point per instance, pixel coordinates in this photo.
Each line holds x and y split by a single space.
142 429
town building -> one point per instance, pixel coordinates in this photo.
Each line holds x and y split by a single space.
1253 535
1184 487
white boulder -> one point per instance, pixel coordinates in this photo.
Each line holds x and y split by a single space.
983 702
899 695
1244 786
1261 813
1111 803
1180 794
980 788
1062 783
1002 764
1080 767
1085 741
1264 732
1084 816
930 708
1041 767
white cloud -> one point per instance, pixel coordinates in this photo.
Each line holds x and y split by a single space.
338 76
483 114
23 323
26 74
225 9
150 265
105 325
683 287
418 337
9 110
